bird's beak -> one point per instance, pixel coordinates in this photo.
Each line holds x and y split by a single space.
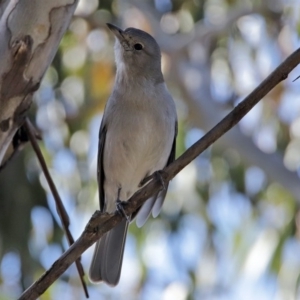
118 32
121 36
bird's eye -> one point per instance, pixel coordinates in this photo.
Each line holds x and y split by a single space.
138 46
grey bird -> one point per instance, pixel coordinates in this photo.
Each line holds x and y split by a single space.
137 138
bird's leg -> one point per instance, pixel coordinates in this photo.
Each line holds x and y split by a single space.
120 207
156 174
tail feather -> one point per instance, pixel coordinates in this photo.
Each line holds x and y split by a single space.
145 211
153 204
108 256
159 202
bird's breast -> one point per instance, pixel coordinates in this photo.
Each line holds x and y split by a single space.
138 142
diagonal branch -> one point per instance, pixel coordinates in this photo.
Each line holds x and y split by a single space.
100 223
204 112
63 215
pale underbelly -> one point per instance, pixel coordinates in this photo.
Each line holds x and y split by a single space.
128 161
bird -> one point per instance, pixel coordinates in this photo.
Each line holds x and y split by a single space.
137 138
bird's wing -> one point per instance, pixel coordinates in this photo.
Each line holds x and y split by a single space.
108 256
162 194
100 171
155 203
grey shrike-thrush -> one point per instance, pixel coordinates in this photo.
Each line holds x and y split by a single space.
137 138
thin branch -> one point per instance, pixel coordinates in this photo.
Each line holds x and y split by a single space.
100 223
59 204
278 75
204 113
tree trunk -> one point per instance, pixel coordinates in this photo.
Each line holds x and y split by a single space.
30 32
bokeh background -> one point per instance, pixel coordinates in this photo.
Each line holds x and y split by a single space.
229 228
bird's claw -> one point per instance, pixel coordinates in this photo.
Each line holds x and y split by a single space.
120 209
156 174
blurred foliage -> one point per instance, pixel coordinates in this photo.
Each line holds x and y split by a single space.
226 231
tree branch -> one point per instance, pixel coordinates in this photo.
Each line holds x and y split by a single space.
100 223
63 215
205 112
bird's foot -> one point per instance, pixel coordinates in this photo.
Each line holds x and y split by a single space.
157 175
120 208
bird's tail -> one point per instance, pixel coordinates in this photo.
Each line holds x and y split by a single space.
108 256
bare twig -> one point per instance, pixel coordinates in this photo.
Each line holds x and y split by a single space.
59 204
204 112
101 223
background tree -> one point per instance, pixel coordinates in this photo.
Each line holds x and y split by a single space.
229 228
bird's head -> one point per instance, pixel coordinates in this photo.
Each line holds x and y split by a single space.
137 53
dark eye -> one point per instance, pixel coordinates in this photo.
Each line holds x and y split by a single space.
138 46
